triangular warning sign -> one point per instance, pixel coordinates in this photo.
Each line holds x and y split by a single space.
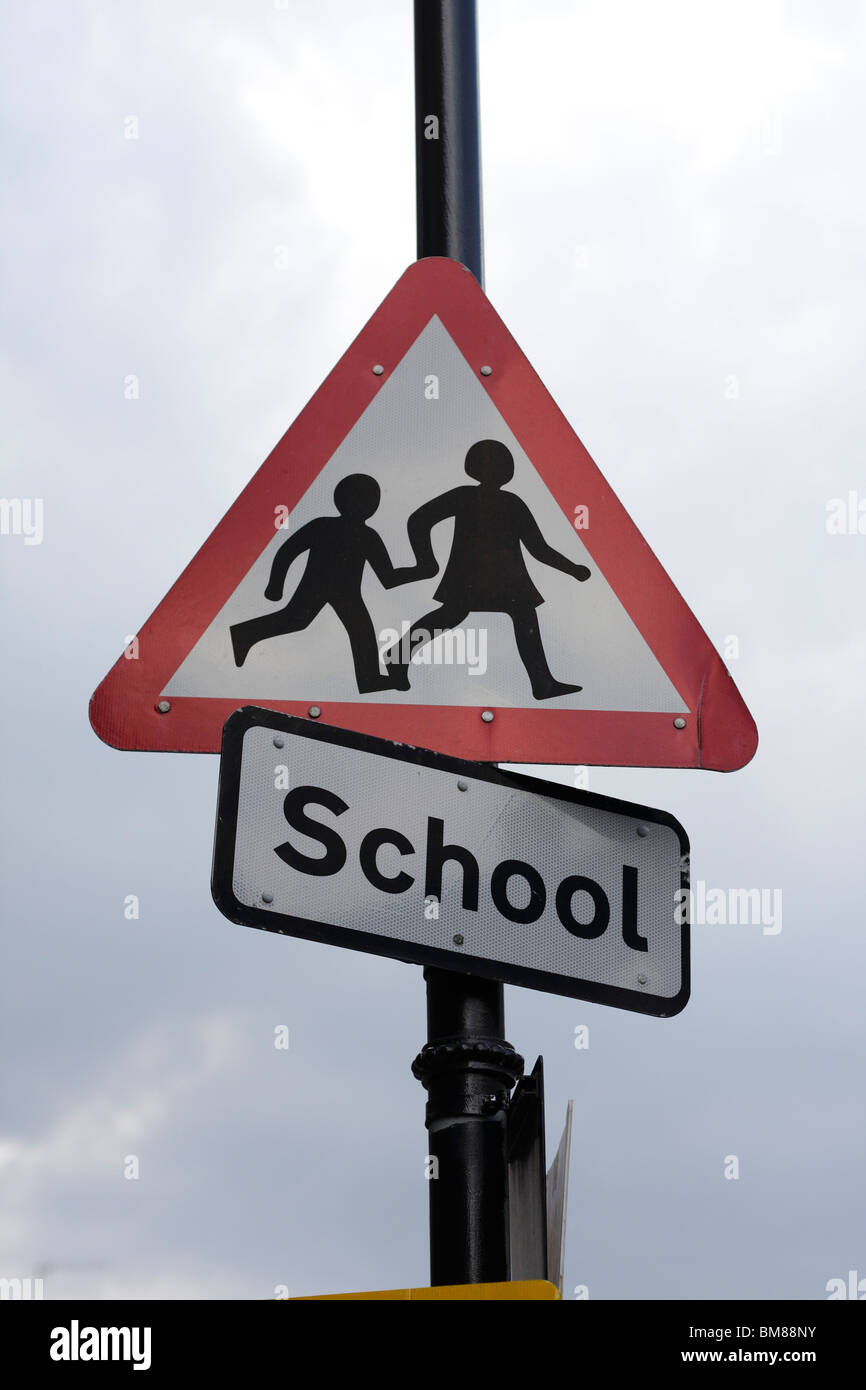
430 555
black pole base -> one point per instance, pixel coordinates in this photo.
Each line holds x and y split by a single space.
468 1070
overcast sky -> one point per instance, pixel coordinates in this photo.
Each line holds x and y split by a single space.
675 229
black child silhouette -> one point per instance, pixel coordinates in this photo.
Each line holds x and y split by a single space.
339 549
486 571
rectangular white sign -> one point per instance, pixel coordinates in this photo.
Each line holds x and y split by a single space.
339 837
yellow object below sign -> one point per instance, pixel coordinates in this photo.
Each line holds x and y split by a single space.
519 1288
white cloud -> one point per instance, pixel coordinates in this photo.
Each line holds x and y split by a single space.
78 1158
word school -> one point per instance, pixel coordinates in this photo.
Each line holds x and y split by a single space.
438 853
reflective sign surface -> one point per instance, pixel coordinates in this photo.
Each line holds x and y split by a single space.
381 847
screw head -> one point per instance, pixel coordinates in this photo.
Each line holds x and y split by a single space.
486 371
378 370
641 979
458 940
463 786
314 711
164 706
679 723
487 716
642 831
267 897
279 742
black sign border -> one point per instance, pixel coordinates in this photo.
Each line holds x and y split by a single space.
222 874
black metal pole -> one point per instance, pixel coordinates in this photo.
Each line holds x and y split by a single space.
468 1069
466 1065
447 146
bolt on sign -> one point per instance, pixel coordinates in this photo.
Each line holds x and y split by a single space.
430 554
338 837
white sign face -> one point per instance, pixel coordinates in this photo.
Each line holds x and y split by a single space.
427 544
412 446
339 837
